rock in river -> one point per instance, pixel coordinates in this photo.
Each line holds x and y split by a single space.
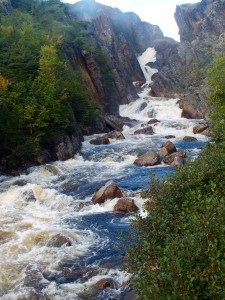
170 158
149 158
199 128
115 134
125 205
100 141
146 130
167 148
109 191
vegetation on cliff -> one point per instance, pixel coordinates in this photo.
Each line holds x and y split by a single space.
177 251
42 96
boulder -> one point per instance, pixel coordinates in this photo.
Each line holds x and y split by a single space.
199 128
67 146
146 130
167 148
170 158
105 283
43 157
189 138
81 205
58 240
142 106
153 121
163 152
115 134
149 158
100 141
178 161
113 122
169 136
206 132
125 205
109 191
28 196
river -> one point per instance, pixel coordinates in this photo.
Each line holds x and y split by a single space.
44 205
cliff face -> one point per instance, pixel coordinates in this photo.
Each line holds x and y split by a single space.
182 66
117 38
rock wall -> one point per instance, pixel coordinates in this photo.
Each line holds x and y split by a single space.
182 66
120 38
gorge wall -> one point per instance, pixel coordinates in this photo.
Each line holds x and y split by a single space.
182 66
117 38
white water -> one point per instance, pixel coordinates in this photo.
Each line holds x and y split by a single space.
148 56
47 205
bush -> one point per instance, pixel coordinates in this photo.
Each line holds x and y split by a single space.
178 250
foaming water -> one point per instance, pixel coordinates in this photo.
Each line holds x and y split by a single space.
54 243
148 56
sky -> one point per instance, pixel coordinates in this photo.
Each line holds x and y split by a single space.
157 12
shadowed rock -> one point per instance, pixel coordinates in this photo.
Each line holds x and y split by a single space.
170 158
115 134
28 196
114 122
125 205
105 283
147 130
100 141
178 161
189 138
169 136
58 240
153 121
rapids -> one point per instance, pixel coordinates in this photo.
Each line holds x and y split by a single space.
50 248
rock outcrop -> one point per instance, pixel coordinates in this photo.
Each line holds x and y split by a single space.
111 67
182 66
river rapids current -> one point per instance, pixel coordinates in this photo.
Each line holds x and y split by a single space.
44 205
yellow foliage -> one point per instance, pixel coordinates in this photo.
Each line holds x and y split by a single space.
3 83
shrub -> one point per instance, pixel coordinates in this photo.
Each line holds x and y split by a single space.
178 250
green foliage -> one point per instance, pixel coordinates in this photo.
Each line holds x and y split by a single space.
106 72
41 94
178 250
216 81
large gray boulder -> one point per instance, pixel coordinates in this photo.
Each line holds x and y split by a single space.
149 158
